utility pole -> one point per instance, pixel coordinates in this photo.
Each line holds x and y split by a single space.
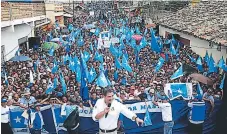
73 13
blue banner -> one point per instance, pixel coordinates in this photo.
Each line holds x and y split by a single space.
52 119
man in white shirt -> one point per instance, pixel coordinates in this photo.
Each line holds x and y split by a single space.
166 109
6 129
106 112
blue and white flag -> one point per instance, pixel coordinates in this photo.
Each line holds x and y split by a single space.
175 90
222 82
125 64
98 57
206 58
178 73
91 75
102 81
221 63
17 121
199 90
154 44
159 64
51 51
117 63
147 118
199 64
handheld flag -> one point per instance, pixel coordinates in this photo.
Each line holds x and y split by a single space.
83 88
199 64
206 58
159 65
147 119
117 63
221 63
199 90
102 81
178 73
92 75
98 57
6 80
154 45
178 89
222 82
63 85
31 77
51 51
125 64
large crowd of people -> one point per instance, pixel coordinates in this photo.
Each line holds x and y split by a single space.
142 84
139 85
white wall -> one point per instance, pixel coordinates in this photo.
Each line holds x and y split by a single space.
10 36
199 46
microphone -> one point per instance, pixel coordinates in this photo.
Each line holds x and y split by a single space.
108 112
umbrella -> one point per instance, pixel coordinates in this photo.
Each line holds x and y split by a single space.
55 40
20 58
89 26
201 78
49 45
137 37
150 25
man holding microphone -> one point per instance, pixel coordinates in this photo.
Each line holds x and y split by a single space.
107 110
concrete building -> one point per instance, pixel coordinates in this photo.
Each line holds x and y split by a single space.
18 22
54 11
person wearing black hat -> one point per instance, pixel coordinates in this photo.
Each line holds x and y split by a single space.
6 128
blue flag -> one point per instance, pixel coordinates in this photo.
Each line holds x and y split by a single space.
206 58
154 44
125 64
179 89
178 73
55 67
63 85
16 119
222 82
221 63
50 88
211 65
117 63
102 81
78 74
113 50
172 49
199 64
92 75
51 51
98 57
199 91
159 65
147 119
91 47
83 88
80 41
6 80
86 56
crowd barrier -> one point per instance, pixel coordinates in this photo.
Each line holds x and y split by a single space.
53 119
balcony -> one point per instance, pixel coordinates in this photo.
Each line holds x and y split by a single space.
14 13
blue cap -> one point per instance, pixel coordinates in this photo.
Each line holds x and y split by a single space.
4 100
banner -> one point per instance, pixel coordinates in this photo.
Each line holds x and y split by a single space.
53 119
175 90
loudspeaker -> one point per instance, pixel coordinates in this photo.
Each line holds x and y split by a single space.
34 42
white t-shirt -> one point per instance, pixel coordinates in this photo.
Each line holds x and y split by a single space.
166 111
4 114
110 122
